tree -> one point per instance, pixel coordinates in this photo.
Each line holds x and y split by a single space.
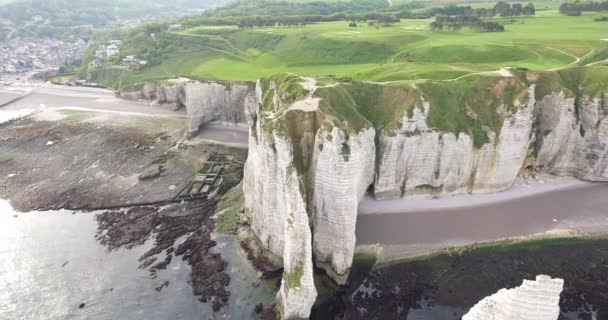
436 26
517 9
529 10
569 9
502 9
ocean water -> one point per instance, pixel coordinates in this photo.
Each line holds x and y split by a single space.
50 264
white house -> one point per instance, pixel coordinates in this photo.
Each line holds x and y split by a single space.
112 50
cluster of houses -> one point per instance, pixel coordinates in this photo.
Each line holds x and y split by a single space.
28 59
105 51
112 49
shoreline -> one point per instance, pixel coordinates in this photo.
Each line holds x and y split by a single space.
521 189
573 208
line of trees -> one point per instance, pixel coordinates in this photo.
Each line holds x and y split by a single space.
503 9
300 20
455 23
576 8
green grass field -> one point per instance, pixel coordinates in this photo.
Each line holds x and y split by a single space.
404 51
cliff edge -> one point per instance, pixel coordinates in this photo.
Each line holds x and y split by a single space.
318 145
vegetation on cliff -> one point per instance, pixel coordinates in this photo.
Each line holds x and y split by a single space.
475 105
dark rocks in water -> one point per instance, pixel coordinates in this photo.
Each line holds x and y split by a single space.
161 265
461 279
147 262
82 305
258 308
191 221
164 284
270 313
268 269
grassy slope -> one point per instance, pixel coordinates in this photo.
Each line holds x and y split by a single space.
475 105
405 51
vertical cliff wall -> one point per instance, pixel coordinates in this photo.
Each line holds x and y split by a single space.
419 160
316 146
204 101
534 299
304 177
573 136
342 170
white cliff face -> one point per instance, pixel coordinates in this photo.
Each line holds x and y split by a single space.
500 161
264 182
207 102
204 101
533 300
343 170
291 205
307 169
297 293
573 140
421 161
277 208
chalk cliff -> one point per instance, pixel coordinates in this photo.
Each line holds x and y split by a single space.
338 139
204 101
304 177
573 136
534 299
422 161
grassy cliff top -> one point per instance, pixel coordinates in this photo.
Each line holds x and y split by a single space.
574 82
476 105
406 50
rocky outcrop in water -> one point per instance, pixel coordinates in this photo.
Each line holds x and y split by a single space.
337 139
204 101
534 299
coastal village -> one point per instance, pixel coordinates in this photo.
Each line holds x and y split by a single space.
111 49
35 60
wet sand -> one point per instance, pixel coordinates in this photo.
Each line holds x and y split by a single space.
578 208
215 132
52 96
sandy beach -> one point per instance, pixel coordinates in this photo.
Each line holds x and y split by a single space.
412 227
49 97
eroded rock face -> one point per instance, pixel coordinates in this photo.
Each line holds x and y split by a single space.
303 171
342 170
204 101
534 299
336 145
297 293
422 161
573 136
207 102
